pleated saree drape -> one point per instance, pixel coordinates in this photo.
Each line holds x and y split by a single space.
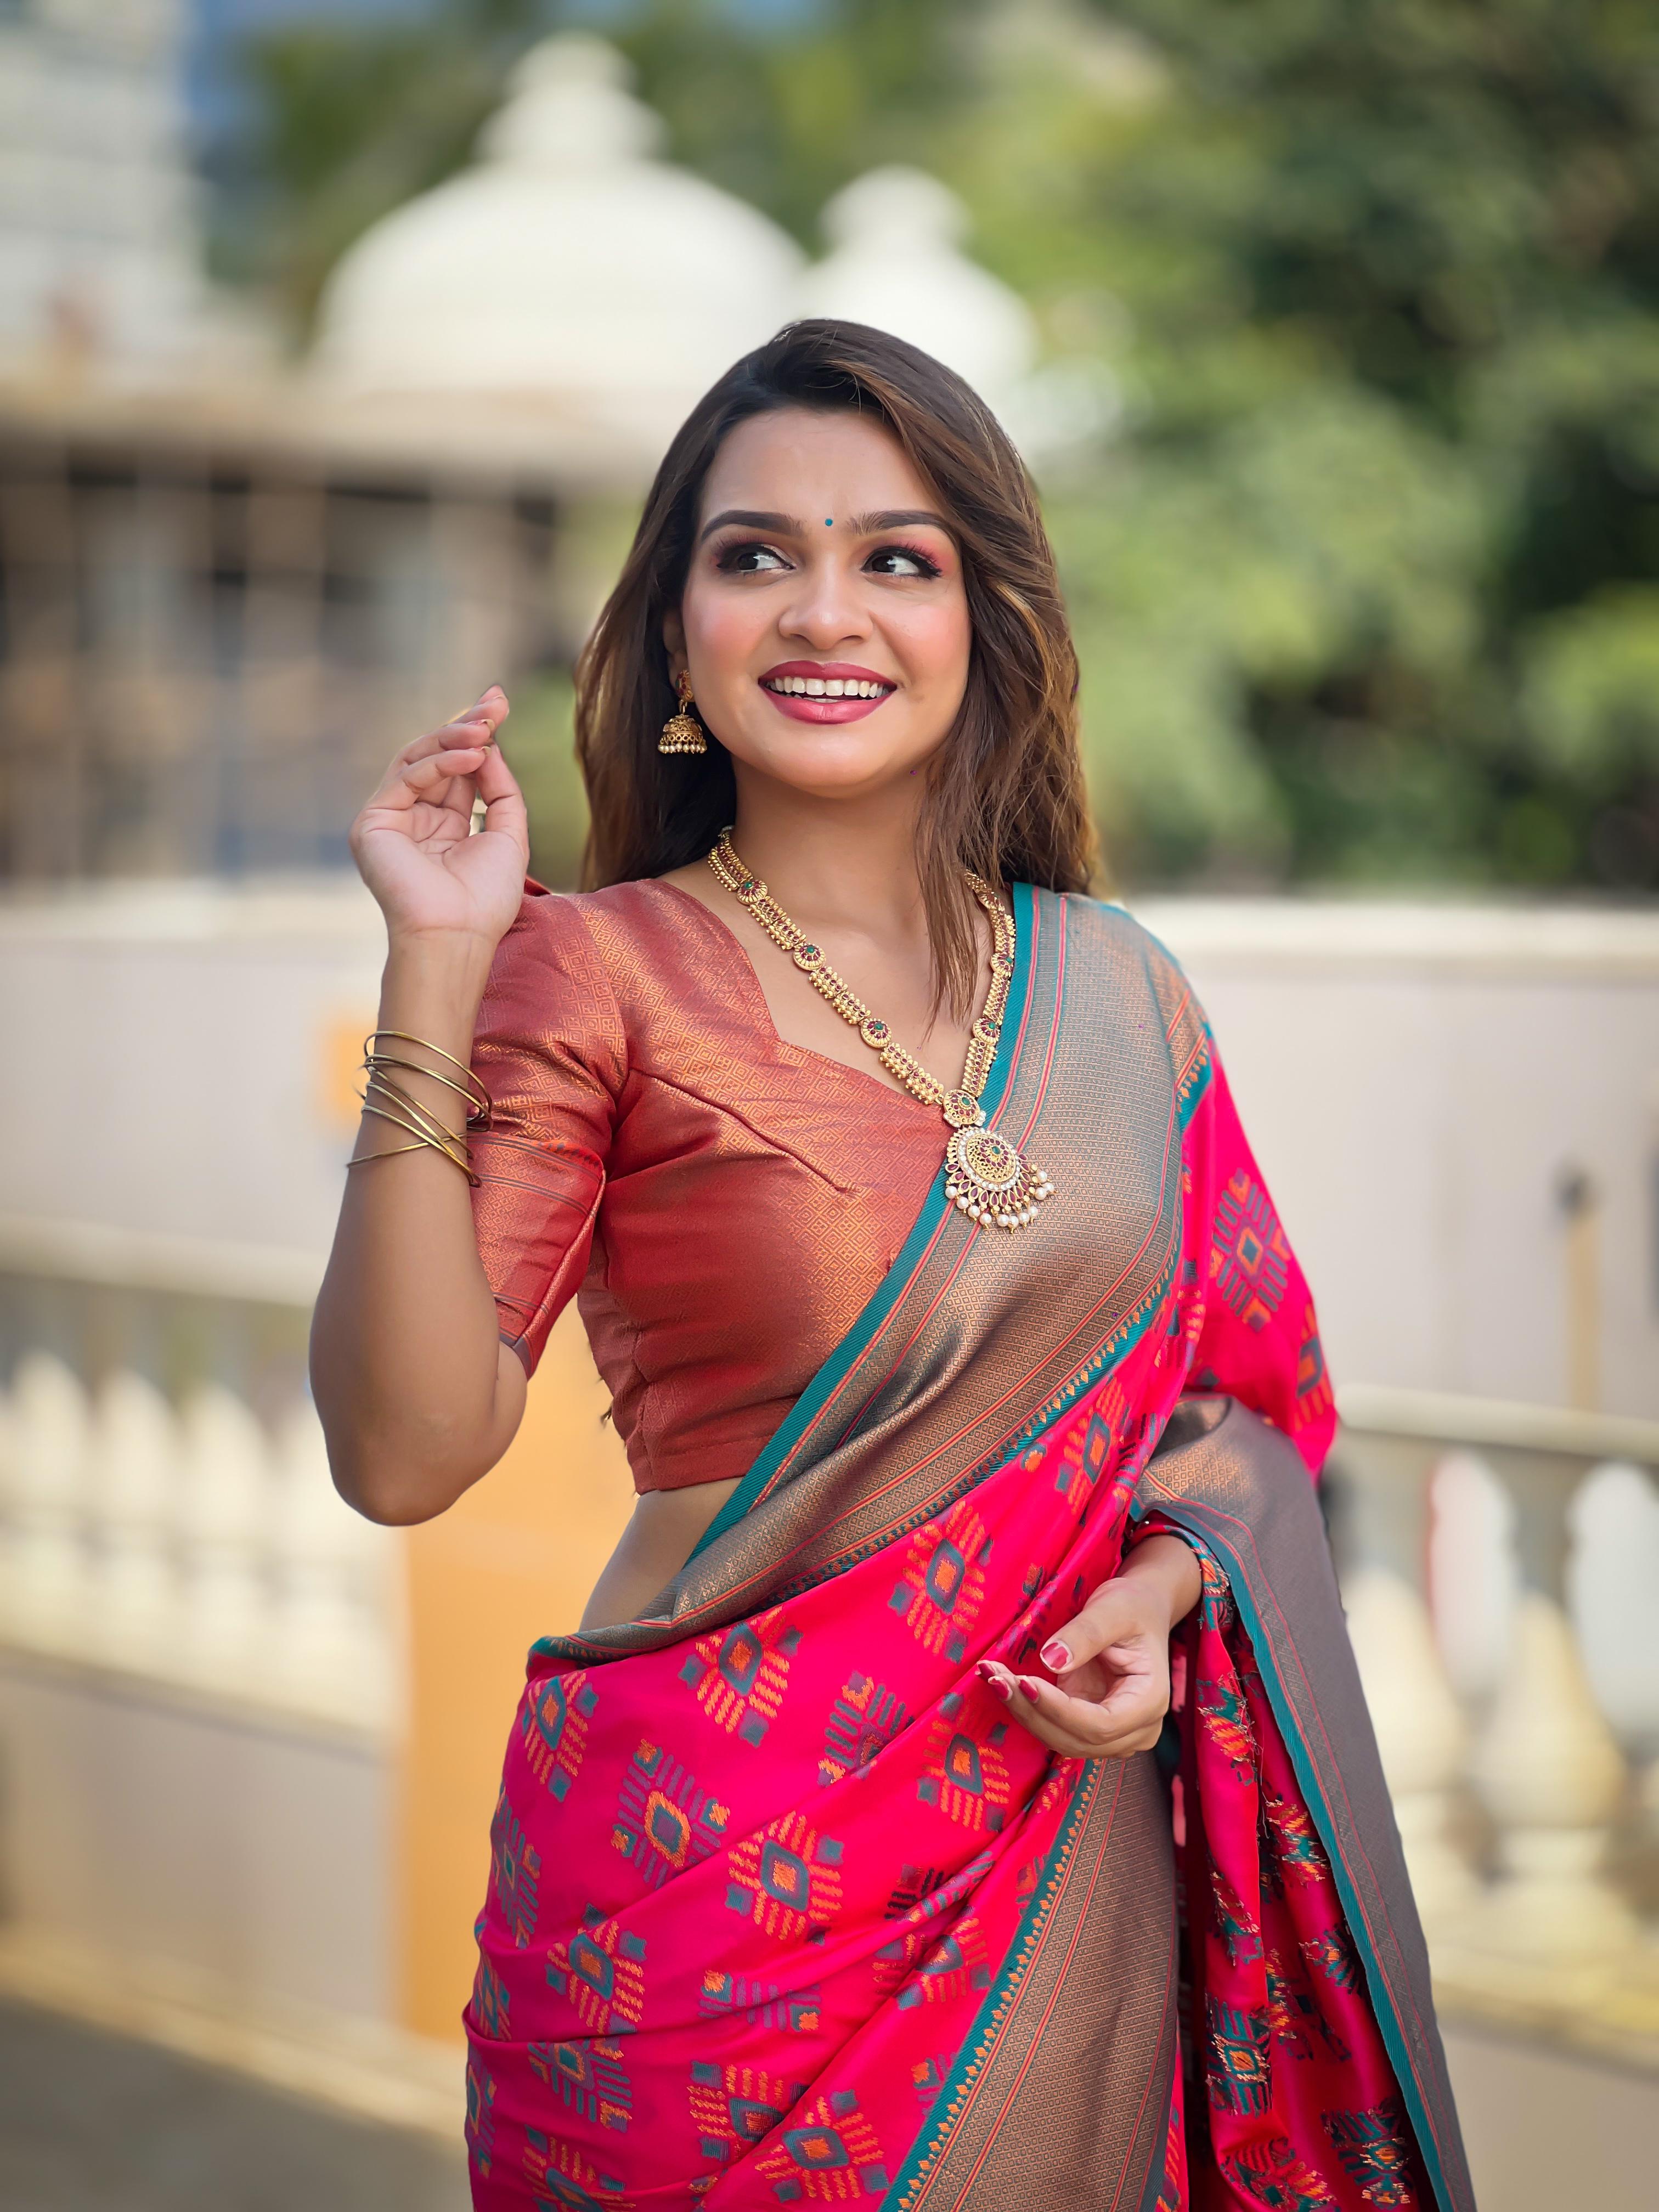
784 1909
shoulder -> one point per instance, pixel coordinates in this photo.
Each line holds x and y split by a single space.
1100 930
1121 959
590 931
610 965
549 988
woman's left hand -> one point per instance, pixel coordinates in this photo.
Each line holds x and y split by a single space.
1112 1661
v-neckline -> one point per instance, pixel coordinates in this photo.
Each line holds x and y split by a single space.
754 990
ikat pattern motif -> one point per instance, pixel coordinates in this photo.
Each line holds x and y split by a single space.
941 1589
829 2155
864 1721
590 2079
665 1822
787 1881
739 1677
1249 1260
515 1869
600 1972
554 1727
565 2179
735 2107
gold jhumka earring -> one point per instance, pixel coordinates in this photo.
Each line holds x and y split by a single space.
681 733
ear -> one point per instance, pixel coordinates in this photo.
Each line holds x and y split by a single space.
673 637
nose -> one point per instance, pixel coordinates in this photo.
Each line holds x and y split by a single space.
826 608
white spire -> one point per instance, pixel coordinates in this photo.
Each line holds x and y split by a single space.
568 268
895 262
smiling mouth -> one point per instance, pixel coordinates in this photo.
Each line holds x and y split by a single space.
825 687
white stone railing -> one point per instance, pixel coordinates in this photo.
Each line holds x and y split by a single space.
165 1509
1492 1558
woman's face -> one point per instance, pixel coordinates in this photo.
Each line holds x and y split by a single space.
824 621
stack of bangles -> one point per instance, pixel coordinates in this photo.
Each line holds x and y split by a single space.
397 1104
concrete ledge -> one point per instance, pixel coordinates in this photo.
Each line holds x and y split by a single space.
365 2068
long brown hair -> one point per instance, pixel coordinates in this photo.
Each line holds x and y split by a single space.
1005 792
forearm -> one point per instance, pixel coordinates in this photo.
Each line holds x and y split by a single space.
1167 1570
416 1395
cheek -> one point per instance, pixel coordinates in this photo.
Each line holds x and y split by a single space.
722 632
933 643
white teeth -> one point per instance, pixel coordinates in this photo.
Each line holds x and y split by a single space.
832 687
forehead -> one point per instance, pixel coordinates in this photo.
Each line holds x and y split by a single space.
798 460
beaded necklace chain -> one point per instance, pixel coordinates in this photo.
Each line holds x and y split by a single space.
985 1176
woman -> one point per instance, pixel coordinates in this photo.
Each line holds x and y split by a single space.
865 1842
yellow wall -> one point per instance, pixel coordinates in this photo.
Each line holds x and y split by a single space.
515 1558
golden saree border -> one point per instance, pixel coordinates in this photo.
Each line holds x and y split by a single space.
1239 1487
1066 2104
982 1338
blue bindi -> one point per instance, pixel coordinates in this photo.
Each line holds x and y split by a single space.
828 521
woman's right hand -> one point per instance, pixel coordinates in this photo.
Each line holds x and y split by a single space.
413 842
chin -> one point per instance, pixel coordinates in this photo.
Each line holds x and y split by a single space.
831 764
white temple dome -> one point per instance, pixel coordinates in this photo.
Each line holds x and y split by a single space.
895 234
568 267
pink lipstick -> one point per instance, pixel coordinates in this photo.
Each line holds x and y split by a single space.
826 690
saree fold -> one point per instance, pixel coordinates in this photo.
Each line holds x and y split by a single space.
784 1908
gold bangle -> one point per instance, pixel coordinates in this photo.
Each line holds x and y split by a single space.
477 1099
407 1112
471 1089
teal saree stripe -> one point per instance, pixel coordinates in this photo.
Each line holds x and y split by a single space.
1061 2094
970 2057
891 1290
1238 1488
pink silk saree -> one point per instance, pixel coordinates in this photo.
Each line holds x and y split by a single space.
784 1910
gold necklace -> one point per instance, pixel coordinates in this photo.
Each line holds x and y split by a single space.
985 1176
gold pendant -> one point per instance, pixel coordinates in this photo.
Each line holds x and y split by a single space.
986 1179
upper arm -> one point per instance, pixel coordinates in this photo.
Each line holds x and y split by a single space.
549 1051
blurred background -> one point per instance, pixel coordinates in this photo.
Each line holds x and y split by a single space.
337 341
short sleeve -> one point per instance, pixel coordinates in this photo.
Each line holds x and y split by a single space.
549 1050
1258 1340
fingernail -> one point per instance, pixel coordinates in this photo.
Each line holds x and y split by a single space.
996 1682
1029 1687
1056 1655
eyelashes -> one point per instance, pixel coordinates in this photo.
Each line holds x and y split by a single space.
731 560
747 556
925 561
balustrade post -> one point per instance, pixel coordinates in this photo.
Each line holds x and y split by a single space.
225 1517
134 1452
330 1651
48 1426
1547 1766
1421 1731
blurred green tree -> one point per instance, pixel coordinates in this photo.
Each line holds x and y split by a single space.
1364 562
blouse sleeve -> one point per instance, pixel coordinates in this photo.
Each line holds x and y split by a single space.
1258 1340
549 1050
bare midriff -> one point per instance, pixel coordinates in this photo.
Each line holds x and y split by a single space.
664 1530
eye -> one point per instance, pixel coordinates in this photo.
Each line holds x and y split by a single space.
902 560
748 558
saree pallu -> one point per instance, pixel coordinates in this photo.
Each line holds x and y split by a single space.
785 1909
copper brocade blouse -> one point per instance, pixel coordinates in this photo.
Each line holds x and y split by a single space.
722 1202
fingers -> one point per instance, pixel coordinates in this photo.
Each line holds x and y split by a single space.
426 767
474 726
1129 1720
504 806
1116 1610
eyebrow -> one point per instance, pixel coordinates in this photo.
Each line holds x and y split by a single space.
789 525
897 517
784 526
